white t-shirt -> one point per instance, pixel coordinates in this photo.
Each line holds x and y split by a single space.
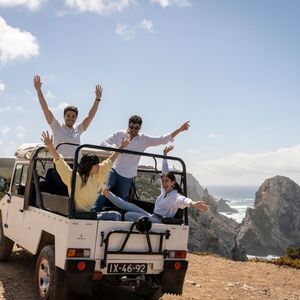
64 134
126 164
167 205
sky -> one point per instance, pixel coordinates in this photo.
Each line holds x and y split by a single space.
230 67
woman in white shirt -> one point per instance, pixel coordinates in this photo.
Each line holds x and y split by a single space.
167 203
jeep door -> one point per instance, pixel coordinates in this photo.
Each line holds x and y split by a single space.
14 220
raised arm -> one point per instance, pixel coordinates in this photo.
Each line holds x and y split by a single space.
38 86
183 127
87 121
165 166
124 143
48 141
106 165
199 205
63 169
183 202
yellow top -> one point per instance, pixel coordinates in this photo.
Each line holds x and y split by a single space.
85 196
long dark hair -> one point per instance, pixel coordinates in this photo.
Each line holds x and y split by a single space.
176 186
86 163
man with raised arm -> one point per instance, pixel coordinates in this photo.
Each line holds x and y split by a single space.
67 132
126 165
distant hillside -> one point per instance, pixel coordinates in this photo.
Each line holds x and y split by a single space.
6 167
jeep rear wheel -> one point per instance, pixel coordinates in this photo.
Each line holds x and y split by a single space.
6 244
49 278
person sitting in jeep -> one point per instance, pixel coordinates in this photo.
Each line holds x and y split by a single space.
166 205
91 174
126 165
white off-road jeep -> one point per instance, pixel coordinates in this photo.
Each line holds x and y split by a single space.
78 253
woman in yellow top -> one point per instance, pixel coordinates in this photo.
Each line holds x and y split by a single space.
90 176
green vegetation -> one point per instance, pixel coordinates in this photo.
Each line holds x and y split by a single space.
291 259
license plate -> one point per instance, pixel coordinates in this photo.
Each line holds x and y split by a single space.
127 268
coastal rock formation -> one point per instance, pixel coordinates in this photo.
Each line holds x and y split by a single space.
274 223
195 190
213 232
222 206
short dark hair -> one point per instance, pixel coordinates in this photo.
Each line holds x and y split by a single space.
135 120
71 108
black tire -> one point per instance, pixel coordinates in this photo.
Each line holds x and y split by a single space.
6 244
49 278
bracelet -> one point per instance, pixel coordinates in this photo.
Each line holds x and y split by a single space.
98 99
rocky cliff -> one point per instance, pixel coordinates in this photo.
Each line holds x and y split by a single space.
213 232
222 206
274 223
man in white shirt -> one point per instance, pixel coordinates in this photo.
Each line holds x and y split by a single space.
126 165
67 132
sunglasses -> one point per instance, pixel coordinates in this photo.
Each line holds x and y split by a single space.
134 127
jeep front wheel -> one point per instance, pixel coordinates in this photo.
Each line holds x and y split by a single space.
49 278
6 244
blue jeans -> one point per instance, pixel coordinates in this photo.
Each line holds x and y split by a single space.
133 211
109 216
117 184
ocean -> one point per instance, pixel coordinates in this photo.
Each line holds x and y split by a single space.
239 198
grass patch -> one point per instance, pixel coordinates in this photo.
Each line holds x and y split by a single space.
291 259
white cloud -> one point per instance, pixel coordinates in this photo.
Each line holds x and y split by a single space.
193 151
5 130
30 4
21 133
2 87
128 32
16 44
21 129
9 108
59 108
1 142
98 6
239 167
50 95
213 136
166 3
4 109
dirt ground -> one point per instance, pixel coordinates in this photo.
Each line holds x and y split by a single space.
208 277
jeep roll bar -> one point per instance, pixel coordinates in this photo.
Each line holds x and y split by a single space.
111 149
72 211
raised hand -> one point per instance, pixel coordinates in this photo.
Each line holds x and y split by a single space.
98 91
200 205
47 139
168 149
184 126
125 141
37 82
